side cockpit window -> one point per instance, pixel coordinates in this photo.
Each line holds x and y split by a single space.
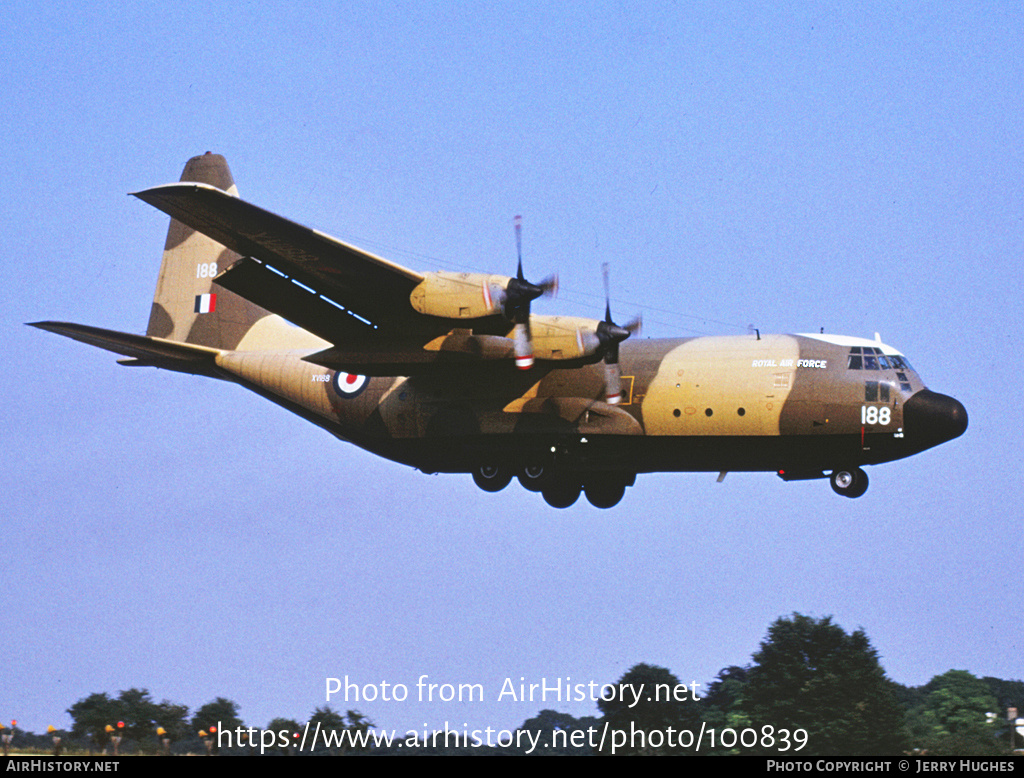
900 363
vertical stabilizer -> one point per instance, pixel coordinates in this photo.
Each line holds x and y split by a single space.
188 306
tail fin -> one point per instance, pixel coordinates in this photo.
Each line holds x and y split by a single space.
188 306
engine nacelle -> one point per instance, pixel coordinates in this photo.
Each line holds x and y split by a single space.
459 295
564 337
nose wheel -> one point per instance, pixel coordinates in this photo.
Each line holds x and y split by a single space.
849 482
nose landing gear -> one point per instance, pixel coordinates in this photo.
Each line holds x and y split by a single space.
849 482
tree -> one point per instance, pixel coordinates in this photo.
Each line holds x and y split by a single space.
1009 694
953 718
720 706
332 727
548 722
173 718
221 713
809 674
328 725
643 708
135 710
285 731
90 716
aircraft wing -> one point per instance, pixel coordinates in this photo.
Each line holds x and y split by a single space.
325 286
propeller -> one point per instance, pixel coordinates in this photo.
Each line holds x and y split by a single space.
519 293
610 336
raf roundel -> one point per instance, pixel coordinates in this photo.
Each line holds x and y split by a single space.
348 385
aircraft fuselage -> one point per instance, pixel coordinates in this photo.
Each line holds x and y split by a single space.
793 404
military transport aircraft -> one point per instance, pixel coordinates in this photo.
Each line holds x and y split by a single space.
450 372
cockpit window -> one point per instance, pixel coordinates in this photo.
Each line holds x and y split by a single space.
900 363
872 358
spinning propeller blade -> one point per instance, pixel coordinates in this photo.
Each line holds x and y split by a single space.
611 335
519 293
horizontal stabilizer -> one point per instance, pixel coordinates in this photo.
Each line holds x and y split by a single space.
149 351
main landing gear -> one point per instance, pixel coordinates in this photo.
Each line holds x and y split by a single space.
559 489
849 482
492 478
603 490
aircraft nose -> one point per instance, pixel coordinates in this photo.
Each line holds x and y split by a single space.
934 418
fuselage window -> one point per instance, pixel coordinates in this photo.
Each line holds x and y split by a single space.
876 391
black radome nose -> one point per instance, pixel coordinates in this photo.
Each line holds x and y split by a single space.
933 418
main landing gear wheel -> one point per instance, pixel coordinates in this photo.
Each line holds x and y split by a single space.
561 494
535 478
851 482
604 491
491 478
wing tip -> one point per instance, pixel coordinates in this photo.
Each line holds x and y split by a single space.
176 186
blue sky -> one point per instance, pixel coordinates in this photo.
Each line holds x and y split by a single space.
802 166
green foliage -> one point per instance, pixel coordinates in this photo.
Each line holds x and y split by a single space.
332 725
638 718
221 713
720 706
290 727
135 709
1008 694
809 674
90 716
549 722
174 719
952 719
